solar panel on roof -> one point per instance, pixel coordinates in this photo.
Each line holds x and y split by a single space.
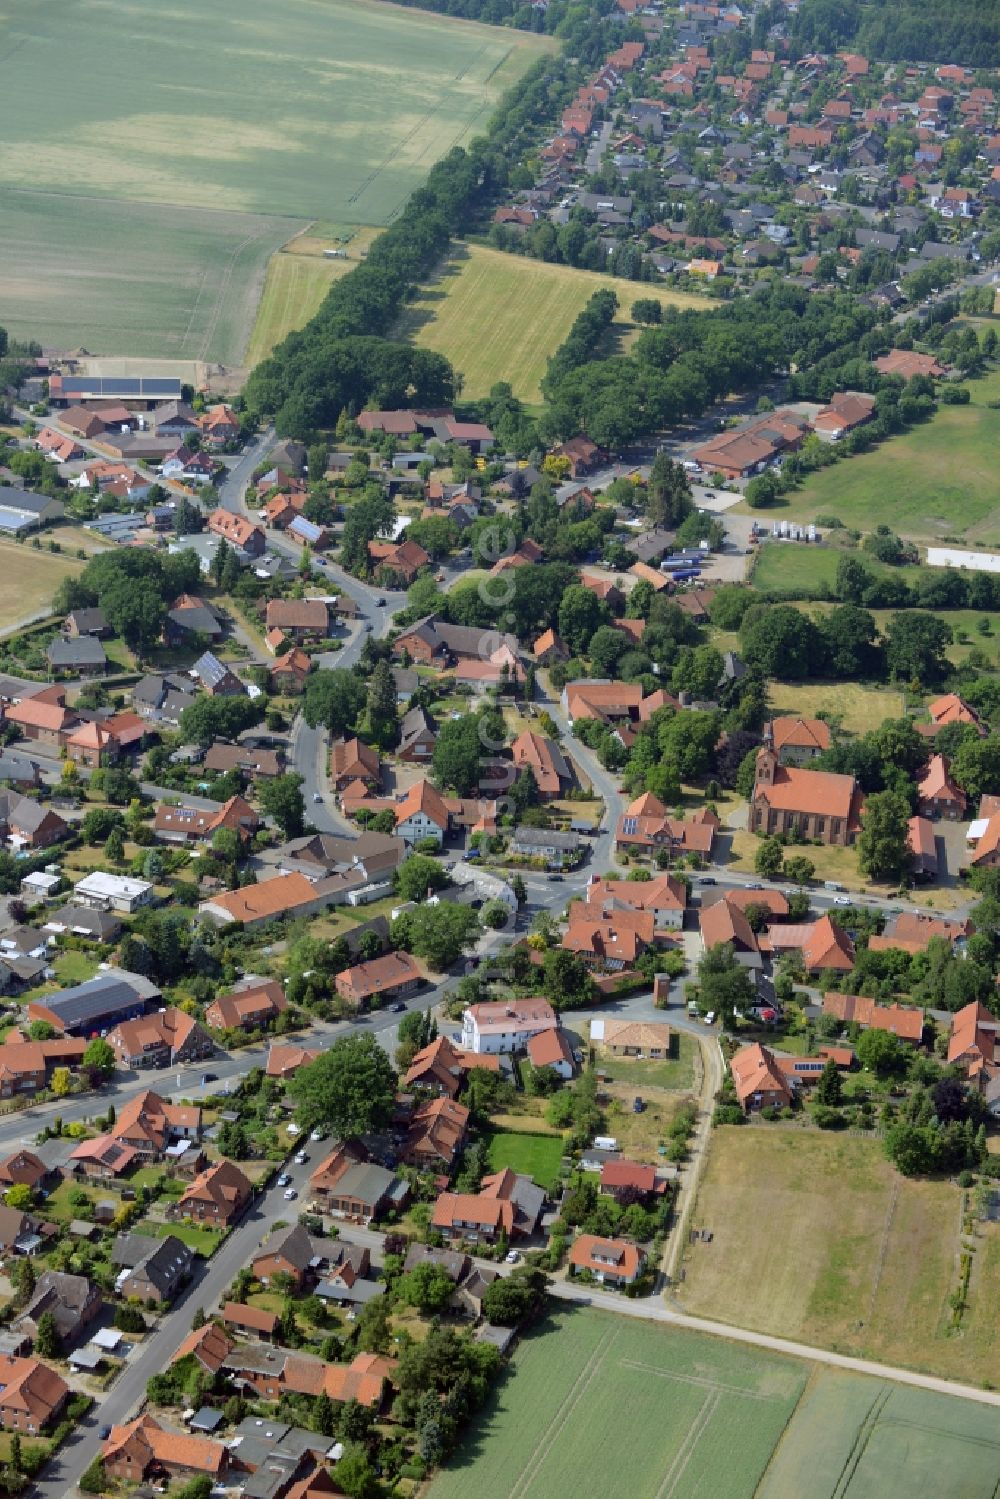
92 1000
112 385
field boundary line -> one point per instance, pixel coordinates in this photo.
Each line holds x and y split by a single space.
883 1245
807 1384
865 1432
694 1379
569 1404
941 1431
226 278
686 1450
194 308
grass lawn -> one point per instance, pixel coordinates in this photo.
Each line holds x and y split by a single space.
937 480
678 1072
841 864
529 1120
32 577
853 1256
268 1301
75 968
537 1156
160 250
795 564
202 1240
83 860
858 708
26 1442
58 1207
963 622
499 317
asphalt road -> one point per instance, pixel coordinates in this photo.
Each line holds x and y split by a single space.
152 1356
233 487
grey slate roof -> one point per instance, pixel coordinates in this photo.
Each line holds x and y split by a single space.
196 617
88 621
13 498
163 1261
85 650
100 998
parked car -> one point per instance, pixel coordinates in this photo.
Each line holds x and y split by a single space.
512 1257
209 1077
284 1179
399 1007
290 1194
707 879
301 1158
637 1105
317 1134
317 797
710 1018
842 900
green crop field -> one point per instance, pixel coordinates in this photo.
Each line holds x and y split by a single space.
603 1404
600 1404
537 1156
179 147
499 317
856 1438
171 282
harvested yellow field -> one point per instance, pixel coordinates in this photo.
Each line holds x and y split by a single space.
298 278
499 317
28 579
815 1236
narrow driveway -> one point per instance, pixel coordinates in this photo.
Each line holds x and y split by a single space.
690 1175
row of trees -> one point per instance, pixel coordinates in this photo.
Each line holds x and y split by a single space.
958 31
343 359
779 640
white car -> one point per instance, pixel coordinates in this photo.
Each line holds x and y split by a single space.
317 1134
301 1158
293 1129
710 1018
290 1194
513 1257
842 900
317 797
